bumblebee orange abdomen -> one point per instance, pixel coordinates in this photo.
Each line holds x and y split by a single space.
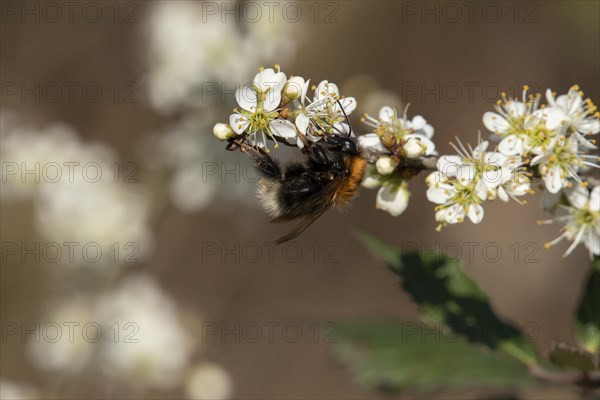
348 187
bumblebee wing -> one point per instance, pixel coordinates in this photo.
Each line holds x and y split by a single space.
304 223
307 202
303 194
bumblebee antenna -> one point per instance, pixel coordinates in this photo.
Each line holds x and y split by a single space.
346 116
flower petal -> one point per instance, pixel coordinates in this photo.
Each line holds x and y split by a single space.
475 213
588 126
511 145
578 196
592 241
449 165
284 129
386 113
502 195
495 122
455 214
246 98
372 179
238 123
595 199
553 180
272 100
302 122
393 199
371 147
418 122
430 146
348 104
515 108
268 78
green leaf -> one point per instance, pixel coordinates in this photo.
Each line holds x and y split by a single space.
565 355
587 327
392 356
448 297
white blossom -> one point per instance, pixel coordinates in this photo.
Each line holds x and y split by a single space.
397 136
509 122
259 116
462 183
579 219
582 117
325 114
559 164
393 193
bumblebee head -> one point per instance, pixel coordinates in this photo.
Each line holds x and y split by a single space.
342 144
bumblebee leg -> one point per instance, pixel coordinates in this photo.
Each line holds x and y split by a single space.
267 166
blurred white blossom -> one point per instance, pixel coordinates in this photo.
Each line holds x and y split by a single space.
34 157
79 194
110 218
158 348
185 151
13 390
191 52
68 337
208 381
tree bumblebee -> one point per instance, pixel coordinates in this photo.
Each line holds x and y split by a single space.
330 175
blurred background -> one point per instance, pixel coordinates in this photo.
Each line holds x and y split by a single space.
136 262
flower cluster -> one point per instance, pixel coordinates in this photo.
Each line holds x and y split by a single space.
394 140
463 182
276 108
554 136
548 141
556 140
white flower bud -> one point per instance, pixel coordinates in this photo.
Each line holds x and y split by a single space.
223 131
386 165
413 148
294 87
